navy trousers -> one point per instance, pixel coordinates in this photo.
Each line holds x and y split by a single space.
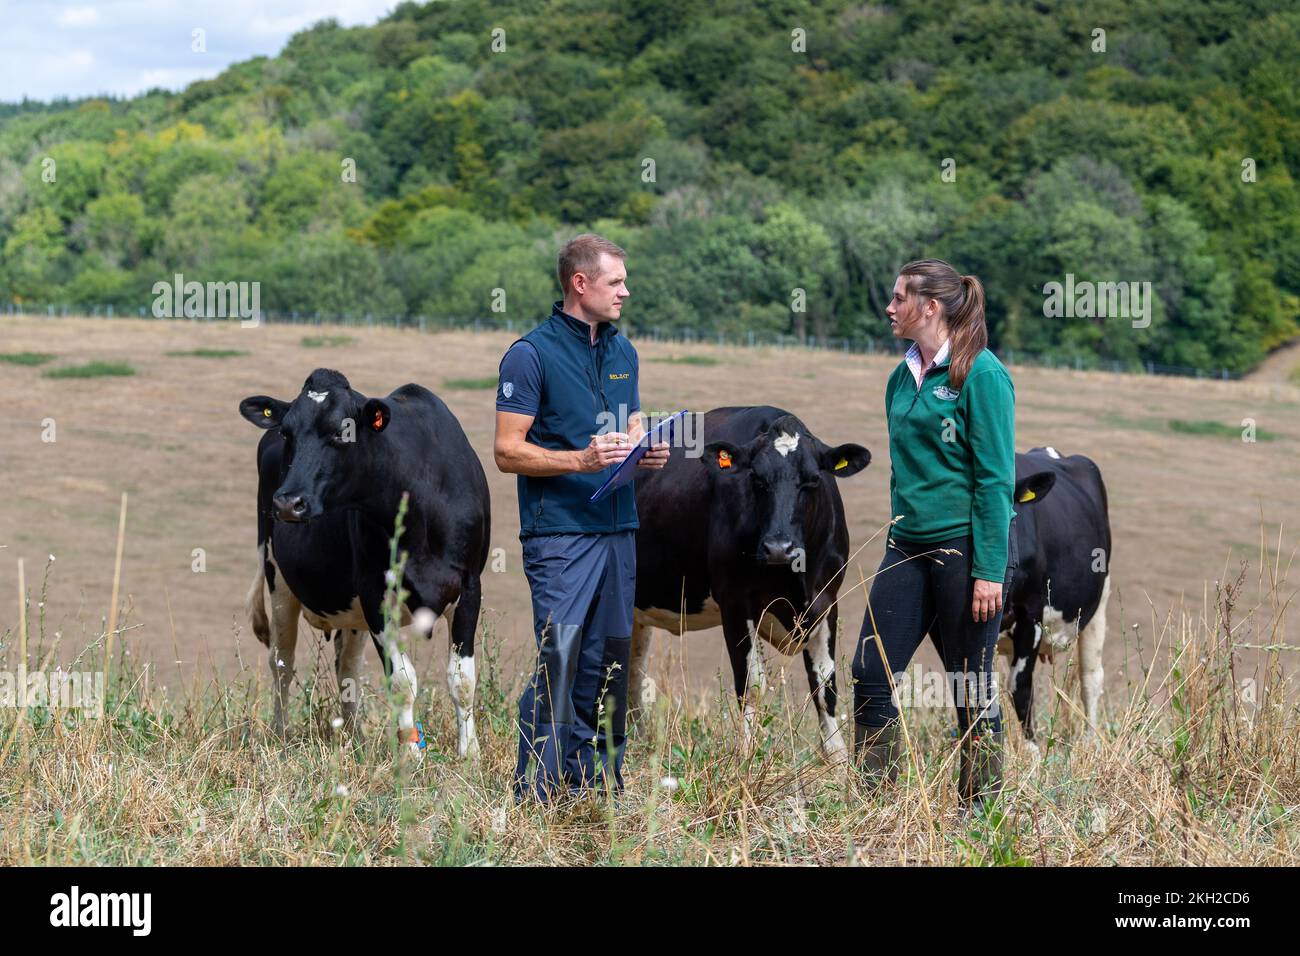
573 712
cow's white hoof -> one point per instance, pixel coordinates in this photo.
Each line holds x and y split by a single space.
410 741
1032 751
469 750
837 755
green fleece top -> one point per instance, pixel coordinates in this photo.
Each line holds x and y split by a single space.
953 458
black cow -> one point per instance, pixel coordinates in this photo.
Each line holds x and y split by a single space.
1059 590
331 471
751 536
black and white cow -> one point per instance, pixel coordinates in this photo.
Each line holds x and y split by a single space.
332 468
1060 589
751 536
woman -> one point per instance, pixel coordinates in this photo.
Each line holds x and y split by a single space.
950 406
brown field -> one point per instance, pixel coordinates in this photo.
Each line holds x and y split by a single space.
1186 509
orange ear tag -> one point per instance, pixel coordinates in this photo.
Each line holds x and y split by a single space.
379 419
724 459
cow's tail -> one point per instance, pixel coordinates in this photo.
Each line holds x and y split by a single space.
255 602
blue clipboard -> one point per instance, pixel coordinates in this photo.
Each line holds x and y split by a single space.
626 469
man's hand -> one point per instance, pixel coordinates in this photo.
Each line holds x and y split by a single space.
987 600
604 450
656 457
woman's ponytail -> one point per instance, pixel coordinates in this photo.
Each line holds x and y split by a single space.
968 332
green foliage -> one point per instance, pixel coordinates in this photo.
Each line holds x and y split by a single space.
1217 429
95 369
486 382
688 360
411 167
208 353
26 358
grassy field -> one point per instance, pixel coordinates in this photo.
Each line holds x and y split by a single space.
1196 762
1192 767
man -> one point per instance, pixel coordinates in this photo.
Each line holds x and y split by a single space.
565 391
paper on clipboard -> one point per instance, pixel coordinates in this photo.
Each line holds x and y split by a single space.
626 469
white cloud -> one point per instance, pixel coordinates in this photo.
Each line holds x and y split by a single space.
74 17
69 48
77 60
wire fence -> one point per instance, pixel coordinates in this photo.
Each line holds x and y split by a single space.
749 339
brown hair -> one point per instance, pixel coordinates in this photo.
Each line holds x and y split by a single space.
962 298
582 254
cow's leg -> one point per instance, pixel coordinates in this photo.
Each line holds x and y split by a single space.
1025 637
819 660
349 649
285 609
255 601
399 669
756 675
461 675
641 690
403 687
1091 643
746 668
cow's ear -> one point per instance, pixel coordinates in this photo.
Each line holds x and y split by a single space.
843 460
263 411
1035 487
375 415
724 456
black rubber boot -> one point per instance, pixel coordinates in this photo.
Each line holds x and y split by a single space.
979 782
876 752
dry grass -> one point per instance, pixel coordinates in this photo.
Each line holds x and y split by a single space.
1195 763
1191 766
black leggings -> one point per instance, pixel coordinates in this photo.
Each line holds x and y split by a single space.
911 596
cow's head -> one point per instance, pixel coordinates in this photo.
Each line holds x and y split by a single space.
329 432
775 481
1029 491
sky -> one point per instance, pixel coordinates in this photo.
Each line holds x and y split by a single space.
73 48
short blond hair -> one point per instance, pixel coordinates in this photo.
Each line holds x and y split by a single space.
582 254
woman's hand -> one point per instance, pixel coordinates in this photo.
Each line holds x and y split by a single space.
987 600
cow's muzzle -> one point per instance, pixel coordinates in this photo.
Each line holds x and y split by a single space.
777 551
290 507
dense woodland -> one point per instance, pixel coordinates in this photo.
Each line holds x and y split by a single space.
774 169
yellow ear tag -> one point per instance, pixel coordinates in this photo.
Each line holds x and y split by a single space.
843 463
724 459
266 413
1027 496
